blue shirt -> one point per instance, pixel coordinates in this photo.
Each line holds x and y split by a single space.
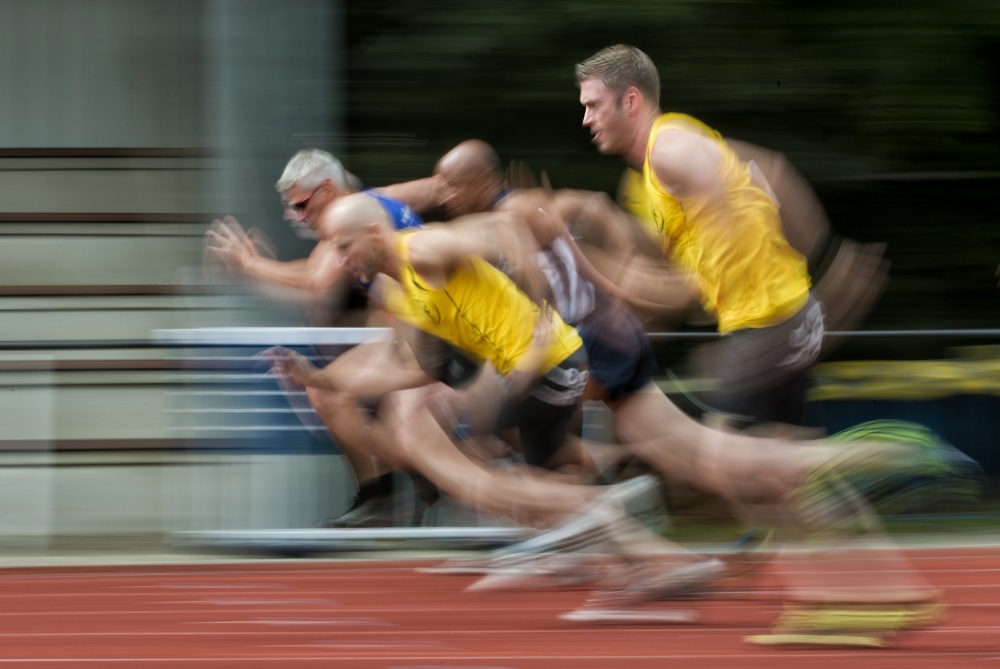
400 214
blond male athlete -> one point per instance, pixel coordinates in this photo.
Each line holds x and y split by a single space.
716 216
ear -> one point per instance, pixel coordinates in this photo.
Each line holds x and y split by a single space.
631 99
328 186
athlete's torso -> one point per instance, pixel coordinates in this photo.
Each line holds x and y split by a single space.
572 295
748 274
480 311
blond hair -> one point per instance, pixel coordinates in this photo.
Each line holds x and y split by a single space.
621 66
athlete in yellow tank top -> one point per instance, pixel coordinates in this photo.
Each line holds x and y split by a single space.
717 218
733 242
481 311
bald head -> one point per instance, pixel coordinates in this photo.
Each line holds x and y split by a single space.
357 227
350 214
473 176
472 156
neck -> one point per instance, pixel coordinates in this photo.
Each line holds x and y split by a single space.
392 263
636 154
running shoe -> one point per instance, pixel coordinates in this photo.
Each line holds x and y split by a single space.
932 474
376 511
594 524
645 587
851 625
562 570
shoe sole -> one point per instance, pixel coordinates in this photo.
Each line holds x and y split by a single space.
675 616
875 619
512 579
818 640
459 570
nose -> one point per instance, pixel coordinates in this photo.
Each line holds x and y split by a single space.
292 216
587 120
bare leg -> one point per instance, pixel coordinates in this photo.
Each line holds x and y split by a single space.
417 441
771 472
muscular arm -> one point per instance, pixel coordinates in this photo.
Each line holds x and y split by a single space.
320 272
248 255
687 165
802 215
422 195
495 237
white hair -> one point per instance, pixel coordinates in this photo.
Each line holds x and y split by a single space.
309 168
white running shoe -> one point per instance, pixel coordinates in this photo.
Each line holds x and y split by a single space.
594 524
620 605
549 571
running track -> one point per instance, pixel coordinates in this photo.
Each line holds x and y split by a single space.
367 614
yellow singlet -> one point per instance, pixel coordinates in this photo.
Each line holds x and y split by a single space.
748 273
480 311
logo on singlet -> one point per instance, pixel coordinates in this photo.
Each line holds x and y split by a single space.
431 312
659 221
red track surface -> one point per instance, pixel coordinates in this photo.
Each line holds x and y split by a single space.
379 614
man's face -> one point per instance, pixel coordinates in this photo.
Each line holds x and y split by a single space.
359 253
303 205
605 117
465 194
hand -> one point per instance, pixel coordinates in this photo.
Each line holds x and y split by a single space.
226 242
284 362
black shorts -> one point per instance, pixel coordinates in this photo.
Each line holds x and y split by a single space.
442 361
763 373
543 418
621 357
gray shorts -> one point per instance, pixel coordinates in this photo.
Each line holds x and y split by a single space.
763 373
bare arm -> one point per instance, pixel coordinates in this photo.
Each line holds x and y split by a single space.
687 164
422 195
597 213
496 237
318 273
802 215
242 255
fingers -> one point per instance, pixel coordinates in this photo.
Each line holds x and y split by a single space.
275 355
262 243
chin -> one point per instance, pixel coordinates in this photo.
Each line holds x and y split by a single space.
606 149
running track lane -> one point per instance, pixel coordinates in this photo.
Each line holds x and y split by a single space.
363 615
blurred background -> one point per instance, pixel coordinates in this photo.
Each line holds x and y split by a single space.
126 126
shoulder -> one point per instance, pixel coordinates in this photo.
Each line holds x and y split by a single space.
685 162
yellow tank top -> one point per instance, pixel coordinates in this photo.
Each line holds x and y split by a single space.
748 274
481 311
